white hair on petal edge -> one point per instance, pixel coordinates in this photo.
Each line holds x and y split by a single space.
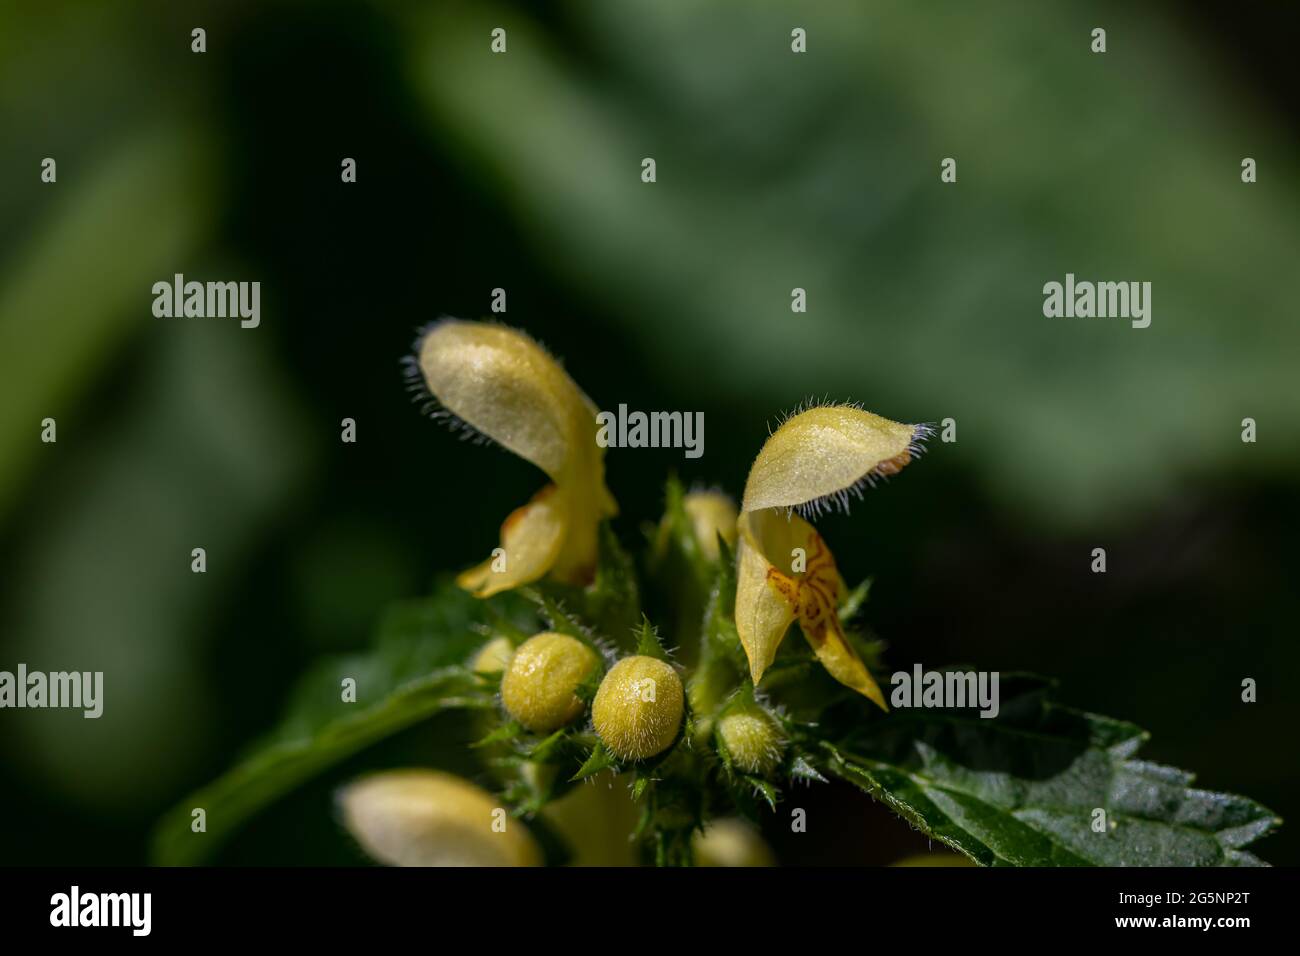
840 500
418 388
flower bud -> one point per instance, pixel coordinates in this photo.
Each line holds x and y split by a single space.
493 657
730 842
712 513
538 688
638 708
429 818
752 739
497 382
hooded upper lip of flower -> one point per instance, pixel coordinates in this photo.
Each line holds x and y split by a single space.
814 460
502 385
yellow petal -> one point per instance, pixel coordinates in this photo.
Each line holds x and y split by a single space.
837 655
508 387
824 453
531 537
766 598
770 594
504 385
576 561
730 841
429 818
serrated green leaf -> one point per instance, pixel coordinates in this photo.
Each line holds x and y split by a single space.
1024 788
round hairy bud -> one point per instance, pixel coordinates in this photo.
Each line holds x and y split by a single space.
752 739
638 708
428 818
493 657
538 687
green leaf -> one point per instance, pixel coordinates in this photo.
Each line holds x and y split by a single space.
414 672
609 607
599 759
676 544
414 638
507 731
551 604
854 600
235 797
614 597
1022 789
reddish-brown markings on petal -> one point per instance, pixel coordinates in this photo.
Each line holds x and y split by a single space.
787 587
892 466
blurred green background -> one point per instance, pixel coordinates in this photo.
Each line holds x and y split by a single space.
522 171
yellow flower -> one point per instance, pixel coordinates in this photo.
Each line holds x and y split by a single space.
814 460
503 386
730 842
429 818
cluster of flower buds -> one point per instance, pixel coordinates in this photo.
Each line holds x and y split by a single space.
500 385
